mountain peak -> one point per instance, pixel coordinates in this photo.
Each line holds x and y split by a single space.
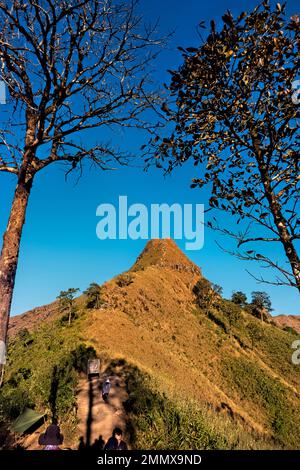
164 253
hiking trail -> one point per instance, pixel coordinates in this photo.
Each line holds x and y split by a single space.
97 419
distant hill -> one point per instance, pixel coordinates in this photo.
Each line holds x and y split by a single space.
292 321
217 375
32 319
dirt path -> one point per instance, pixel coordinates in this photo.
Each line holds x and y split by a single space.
97 419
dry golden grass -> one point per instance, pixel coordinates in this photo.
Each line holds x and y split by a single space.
149 318
153 323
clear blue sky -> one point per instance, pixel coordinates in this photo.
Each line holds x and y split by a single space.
59 246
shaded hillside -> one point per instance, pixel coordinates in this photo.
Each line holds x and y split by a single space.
215 372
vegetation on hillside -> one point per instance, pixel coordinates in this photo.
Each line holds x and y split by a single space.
93 295
43 374
262 391
201 371
67 303
157 422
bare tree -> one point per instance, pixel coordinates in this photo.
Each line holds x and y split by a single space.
235 111
69 67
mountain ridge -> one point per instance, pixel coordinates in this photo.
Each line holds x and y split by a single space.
164 253
217 357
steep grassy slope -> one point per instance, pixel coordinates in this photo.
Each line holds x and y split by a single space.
195 378
153 323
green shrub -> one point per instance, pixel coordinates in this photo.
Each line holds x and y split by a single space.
254 332
232 311
22 373
14 399
62 396
81 355
25 337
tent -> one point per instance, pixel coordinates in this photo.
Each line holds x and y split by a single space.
26 420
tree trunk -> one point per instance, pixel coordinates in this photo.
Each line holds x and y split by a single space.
285 238
10 252
278 217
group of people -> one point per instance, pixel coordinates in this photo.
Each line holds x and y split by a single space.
52 439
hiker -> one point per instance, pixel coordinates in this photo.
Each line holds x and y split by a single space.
52 439
106 389
81 445
115 442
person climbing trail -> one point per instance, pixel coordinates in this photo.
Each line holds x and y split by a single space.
97 418
105 390
115 442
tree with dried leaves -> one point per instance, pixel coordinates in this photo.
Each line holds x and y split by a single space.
68 67
233 106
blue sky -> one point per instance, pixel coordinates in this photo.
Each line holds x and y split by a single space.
59 246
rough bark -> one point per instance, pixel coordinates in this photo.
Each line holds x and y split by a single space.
10 252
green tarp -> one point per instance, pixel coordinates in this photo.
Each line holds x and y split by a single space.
27 419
